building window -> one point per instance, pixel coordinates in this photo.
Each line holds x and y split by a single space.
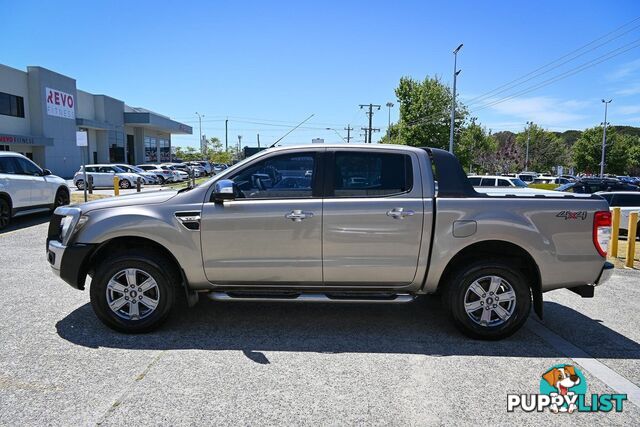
165 150
150 149
11 105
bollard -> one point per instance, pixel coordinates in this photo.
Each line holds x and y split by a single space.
90 184
116 185
631 239
615 231
138 183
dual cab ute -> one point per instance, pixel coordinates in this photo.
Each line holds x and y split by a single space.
334 223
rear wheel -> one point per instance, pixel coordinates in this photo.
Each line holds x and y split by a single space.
5 213
132 293
489 300
161 180
80 184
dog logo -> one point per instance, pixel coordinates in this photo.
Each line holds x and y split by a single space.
566 381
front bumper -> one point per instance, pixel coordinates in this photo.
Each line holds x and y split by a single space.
69 262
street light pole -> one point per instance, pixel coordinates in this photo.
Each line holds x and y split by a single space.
453 103
390 105
526 159
604 137
337 133
200 116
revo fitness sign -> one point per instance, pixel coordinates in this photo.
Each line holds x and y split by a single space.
60 104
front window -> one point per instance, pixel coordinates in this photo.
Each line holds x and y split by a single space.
503 183
27 167
278 177
518 182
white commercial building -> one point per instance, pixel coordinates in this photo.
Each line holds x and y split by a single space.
41 110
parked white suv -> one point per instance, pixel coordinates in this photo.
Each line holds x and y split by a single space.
26 188
496 181
103 176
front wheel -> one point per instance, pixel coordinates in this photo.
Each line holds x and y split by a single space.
132 293
489 300
5 213
61 199
124 184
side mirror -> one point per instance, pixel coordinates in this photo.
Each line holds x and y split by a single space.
46 172
225 189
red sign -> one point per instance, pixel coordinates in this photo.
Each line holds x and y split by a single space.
60 104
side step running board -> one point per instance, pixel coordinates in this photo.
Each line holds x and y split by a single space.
309 297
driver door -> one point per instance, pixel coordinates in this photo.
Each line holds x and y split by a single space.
271 234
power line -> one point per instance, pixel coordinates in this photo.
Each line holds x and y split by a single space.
493 91
612 54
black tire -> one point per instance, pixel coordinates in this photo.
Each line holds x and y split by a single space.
149 263
457 293
80 184
161 180
62 198
124 184
5 213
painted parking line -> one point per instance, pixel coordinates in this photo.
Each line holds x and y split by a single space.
611 378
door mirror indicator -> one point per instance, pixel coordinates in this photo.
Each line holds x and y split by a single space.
225 189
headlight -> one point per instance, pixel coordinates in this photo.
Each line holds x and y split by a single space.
71 222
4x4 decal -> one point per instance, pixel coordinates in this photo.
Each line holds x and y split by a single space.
572 215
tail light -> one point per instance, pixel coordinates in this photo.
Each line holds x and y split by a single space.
602 231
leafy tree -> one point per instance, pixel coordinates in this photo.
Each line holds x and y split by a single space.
587 151
475 148
546 149
425 109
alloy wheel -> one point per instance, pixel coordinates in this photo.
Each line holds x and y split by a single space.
133 294
490 301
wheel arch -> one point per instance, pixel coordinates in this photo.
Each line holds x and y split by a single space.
497 249
4 195
123 243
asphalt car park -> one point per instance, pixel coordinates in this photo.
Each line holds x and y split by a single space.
250 363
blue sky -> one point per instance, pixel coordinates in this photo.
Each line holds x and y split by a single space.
268 65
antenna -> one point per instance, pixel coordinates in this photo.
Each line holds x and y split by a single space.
285 135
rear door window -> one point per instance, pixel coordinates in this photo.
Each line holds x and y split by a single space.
488 182
475 181
8 165
358 174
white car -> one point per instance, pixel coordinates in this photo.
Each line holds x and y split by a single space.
147 177
163 175
496 181
103 176
627 201
26 188
541 179
178 174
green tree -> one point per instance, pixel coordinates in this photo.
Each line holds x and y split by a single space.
546 149
475 148
587 151
425 109
216 154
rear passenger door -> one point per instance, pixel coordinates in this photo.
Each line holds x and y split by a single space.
372 218
13 182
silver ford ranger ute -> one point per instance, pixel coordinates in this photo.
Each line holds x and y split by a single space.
334 223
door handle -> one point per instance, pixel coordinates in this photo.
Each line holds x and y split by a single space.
400 213
298 215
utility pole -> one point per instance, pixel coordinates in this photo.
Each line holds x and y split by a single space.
226 135
604 136
200 116
526 158
348 129
258 140
366 134
453 103
239 144
390 105
370 114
